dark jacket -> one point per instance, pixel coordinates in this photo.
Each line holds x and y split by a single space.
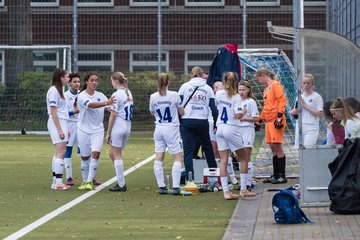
226 60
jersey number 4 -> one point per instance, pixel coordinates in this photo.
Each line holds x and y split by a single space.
166 117
224 116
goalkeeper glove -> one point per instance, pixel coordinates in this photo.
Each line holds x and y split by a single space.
278 122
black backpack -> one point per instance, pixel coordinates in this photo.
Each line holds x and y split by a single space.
286 207
344 187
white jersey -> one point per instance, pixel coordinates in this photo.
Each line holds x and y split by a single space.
70 100
227 108
352 128
123 107
53 99
165 108
198 106
90 119
252 111
314 101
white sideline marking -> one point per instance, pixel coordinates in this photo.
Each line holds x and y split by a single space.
20 233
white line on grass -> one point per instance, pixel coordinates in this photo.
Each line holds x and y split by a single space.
56 212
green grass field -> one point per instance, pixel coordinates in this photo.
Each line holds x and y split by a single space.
139 213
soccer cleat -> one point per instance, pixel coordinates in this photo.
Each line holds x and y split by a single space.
96 182
117 188
52 186
279 180
82 186
270 179
234 181
175 191
230 196
89 186
163 190
70 181
246 194
61 186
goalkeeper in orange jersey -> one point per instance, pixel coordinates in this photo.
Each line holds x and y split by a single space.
273 114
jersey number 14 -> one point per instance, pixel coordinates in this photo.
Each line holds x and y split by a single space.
166 117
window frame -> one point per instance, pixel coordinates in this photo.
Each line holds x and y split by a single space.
133 63
261 4
148 4
44 63
201 63
96 4
221 3
315 3
44 4
84 63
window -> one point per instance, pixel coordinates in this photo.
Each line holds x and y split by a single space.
204 3
2 65
201 59
45 61
148 61
261 3
96 61
314 3
148 3
44 3
2 3
95 3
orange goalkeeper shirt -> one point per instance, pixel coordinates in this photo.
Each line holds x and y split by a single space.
274 101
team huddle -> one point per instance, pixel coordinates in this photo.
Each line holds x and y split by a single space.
222 118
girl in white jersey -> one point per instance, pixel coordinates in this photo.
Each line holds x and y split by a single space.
90 128
228 133
70 96
312 110
119 126
165 106
58 115
248 133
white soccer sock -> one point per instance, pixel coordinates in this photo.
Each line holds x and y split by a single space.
94 164
59 168
176 174
53 168
159 173
243 180
119 170
68 168
250 173
85 169
224 184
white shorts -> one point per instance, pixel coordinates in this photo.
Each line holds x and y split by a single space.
120 133
167 136
88 143
310 134
72 128
248 136
54 135
229 137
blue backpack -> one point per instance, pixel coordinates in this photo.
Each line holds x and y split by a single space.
286 207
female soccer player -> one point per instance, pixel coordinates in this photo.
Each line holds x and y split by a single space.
247 132
90 126
312 104
165 106
58 116
70 96
341 112
228 133
273 113
119 126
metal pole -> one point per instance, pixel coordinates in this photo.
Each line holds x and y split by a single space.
159 36
75 37
244 24
298 22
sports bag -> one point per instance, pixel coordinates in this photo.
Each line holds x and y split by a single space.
286 207
344 187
